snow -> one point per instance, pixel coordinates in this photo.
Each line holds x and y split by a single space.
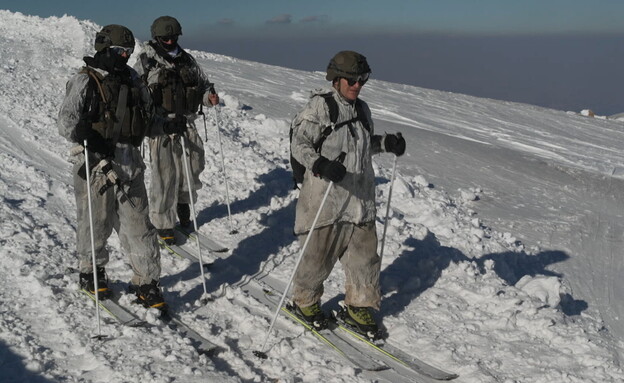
502 261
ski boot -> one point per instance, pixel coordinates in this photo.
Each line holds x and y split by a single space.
184 214
359 319
312 315
167 236
149 295
86 283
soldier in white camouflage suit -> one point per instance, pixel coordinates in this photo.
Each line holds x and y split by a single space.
178 87
108 105
346 227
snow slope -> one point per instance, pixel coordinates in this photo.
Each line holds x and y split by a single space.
501 261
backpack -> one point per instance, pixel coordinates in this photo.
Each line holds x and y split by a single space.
298 169
113 111
177 89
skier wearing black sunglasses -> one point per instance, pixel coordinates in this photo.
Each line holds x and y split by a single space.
333 138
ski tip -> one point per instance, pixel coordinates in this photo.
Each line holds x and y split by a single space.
260 354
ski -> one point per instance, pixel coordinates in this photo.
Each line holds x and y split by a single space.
184 252
204 240
124 316
186 247
326 336
201 344
117 311
395 355
402 362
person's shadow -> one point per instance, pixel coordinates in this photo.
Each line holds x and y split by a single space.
276 183
250 253
14 368
418 269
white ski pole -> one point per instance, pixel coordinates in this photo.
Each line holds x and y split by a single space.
383 236
191 187
225 178
262 353
95 279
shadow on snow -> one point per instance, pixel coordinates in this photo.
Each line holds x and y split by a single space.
418 269
14 367
251 252
412 273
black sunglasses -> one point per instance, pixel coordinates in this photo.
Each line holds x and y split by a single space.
360 79
173 38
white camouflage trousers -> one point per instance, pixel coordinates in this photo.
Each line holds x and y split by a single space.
168 182
356 248
111 211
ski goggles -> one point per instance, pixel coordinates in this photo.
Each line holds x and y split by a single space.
362 78
120 50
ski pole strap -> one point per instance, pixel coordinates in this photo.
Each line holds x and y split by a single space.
112 179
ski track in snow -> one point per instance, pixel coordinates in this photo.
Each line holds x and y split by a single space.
457 292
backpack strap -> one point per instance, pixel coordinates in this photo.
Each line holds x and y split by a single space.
359 110
91 102
332 105
98 82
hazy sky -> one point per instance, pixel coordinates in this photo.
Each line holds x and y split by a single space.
565 54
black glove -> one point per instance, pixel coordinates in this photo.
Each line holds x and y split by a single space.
176 125
395 143
331 170
95 142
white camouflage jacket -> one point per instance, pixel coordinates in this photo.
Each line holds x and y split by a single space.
353 198
127 162
150 64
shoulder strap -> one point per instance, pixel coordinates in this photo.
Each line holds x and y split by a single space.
359 110
146 65
94 76
90 102
120 112
332 105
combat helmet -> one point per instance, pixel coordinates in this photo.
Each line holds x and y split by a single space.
347 64
114 35
166 26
